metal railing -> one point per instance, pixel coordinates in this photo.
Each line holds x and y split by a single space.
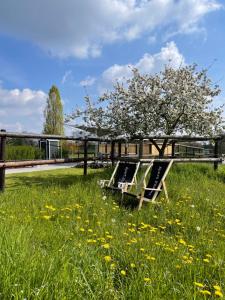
136 139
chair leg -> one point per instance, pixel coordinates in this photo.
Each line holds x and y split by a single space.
140 203
122 198
165 190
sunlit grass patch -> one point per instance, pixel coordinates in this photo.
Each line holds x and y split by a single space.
61 237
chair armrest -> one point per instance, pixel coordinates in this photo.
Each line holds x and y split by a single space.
129 183
123 186
150 189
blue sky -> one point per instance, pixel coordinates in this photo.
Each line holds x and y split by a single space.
77 43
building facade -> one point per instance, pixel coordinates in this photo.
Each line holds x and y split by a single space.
149 150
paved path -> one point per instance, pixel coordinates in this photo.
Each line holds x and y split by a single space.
40 168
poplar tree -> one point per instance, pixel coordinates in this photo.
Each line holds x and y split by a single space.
53 113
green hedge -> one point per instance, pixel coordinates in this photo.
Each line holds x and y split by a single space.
22 152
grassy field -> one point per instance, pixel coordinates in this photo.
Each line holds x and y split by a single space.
62 238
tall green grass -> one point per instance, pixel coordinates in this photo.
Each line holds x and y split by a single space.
22 152
62 238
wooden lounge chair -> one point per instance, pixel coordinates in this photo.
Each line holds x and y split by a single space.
156 182
123 176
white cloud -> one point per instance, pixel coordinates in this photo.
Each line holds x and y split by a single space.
81 28
88 81
22 109
149 63
66 76
13 127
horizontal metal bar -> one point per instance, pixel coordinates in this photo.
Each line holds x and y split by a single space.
48 136
29 163
175 160
134 138
183 160
182 138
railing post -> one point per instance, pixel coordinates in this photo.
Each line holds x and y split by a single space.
126 148
140 154
112 152
173 149
85 156
119 150
216 153
2 159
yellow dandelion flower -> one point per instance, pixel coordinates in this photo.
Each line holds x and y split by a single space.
149 257
109 236
82 229
206 260
181 241
90 241
106 246
198 284
205 292
132 265
219 294
123 272
185 257
189 261
101 239
90 230
112 266
147 279
142 249
107 258
46 217
133 240
50 207
217 287
162 227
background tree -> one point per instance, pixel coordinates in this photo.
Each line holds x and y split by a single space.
54 120
174 101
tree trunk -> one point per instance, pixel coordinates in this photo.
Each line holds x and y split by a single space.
163 148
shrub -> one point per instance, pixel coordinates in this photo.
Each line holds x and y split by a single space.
22 152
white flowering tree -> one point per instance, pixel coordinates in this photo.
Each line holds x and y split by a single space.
174 101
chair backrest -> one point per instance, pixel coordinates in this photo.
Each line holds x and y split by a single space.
125 172
158 174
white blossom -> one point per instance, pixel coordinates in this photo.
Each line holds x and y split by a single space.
174 101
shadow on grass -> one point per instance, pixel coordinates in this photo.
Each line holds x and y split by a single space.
128 202
56 179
